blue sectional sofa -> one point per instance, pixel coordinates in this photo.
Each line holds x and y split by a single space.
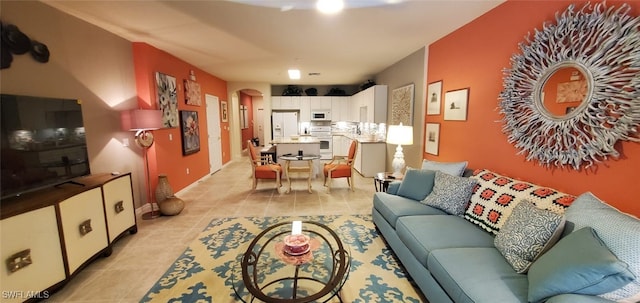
453 259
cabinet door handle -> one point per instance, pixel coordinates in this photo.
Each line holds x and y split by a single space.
85 227
119 206
19 260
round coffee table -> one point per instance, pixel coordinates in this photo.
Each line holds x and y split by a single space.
266 273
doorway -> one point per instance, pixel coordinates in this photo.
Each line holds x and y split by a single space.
213 127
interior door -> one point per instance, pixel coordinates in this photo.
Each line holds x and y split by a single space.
260 126
213 128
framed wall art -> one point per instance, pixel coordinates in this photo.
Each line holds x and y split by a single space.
167 99
432 138
402 105
224 111
434 98
455 104
192 94
190 130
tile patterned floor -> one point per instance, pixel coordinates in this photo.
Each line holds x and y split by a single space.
139 260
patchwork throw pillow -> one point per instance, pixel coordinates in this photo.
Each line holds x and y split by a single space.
527 234
450 193
452 168
620 232
416 184
495 196
580 264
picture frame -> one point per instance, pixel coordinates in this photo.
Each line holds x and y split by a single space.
434 98
432 138
166 93
455 104
402 105
192 95
190 131
224 111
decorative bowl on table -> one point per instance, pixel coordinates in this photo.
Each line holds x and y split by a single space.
296 245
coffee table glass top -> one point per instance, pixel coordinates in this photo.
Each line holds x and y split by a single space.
264 272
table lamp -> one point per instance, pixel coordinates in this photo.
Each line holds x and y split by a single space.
401 135
143 121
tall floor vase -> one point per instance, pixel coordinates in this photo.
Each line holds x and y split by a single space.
169 204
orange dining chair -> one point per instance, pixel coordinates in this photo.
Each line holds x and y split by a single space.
263 167
341 167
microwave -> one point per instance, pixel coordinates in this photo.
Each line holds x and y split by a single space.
321 115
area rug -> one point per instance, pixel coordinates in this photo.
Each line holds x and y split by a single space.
202 272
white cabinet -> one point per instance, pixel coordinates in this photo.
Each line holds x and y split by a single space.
341 109
370 158
323 102
49 234
31 241
83 226
341 145
118 206
285 102
305 109
370 105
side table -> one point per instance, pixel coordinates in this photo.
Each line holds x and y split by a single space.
381 180
308 169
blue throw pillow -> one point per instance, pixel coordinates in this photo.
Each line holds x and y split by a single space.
450 193
416 184
580 264
452 168
619 231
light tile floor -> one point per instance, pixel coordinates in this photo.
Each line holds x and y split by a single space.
139 260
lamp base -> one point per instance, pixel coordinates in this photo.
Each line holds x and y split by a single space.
398 162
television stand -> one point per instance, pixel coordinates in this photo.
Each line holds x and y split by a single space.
69 182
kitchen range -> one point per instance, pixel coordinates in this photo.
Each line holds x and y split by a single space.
322 131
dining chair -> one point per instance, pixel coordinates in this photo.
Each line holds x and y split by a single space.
341 167
264 167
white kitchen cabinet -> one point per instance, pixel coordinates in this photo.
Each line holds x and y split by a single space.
370 105
305 109
83 226
341 108
321 102
285 102
31 242
370 158
276 102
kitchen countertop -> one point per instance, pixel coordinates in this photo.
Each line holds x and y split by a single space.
300 140
360 139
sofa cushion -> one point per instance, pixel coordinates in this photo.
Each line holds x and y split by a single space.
495 196
423 234
416 183
580 263
620 232
477 274
527 234
450 193
452 168
391 207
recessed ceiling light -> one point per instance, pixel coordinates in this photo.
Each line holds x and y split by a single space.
294 74
330 6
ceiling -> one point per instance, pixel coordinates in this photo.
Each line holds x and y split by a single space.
240 42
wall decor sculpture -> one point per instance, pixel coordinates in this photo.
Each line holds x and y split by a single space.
596 44
192 93
167 99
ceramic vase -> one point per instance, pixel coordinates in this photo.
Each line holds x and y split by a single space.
163 189
171 206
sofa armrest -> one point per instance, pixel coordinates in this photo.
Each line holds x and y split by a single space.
393 187
572 298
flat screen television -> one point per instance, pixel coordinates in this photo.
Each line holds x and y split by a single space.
42 143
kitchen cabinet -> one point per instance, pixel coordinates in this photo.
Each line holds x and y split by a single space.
370 158
321 102
305 109
341 109
370 105
285 102
50 234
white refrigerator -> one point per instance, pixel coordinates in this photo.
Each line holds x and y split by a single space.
284 124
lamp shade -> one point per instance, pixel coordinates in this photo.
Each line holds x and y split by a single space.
141 119
400 134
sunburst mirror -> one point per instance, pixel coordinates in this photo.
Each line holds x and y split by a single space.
573 90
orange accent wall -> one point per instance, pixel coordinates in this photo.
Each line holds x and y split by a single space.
474 56
165 156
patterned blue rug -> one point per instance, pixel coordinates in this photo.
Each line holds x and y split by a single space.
203 272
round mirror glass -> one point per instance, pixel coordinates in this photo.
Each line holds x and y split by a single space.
565 89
